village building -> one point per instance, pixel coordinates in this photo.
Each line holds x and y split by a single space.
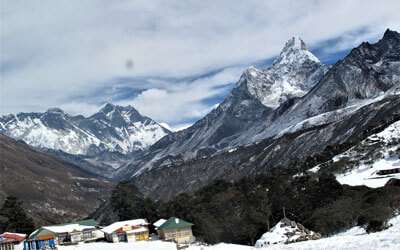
177 230
127 231
8 241
80 231
39 244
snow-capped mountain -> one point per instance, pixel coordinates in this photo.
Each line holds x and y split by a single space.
257 94
357 97
293 73
362 77
113 128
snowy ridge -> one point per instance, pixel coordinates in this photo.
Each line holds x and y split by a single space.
113 128
330 116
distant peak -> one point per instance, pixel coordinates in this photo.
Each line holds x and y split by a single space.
107 108
390 34
55 111
110 109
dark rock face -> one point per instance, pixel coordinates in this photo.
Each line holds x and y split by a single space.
358 95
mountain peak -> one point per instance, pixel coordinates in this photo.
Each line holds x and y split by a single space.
55 111
107 108
390 34
295 52
295 43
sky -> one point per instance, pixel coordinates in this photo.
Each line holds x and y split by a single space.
172 60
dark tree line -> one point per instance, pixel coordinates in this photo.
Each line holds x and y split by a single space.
240 212
13 217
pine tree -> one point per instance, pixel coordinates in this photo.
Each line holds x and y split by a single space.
14 217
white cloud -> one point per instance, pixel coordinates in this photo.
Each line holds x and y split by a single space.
55 50
183 100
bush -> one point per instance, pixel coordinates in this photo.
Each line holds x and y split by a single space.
375 226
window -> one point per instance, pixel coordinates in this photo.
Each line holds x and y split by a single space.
87 235
63 238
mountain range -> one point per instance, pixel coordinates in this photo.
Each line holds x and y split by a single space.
99 144
114 129
297 113
341 106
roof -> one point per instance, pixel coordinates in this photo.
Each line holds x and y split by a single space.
67 228
117 225
12 236
175 223
88 222
159 222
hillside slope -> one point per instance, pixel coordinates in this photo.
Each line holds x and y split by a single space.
53 191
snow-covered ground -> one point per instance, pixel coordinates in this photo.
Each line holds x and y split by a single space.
286 231
364 174
377 152
353 239
149 245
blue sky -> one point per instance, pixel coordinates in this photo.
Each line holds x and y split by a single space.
173 60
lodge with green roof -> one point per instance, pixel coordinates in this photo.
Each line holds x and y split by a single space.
177 230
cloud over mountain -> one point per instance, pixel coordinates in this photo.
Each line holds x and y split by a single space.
175 60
